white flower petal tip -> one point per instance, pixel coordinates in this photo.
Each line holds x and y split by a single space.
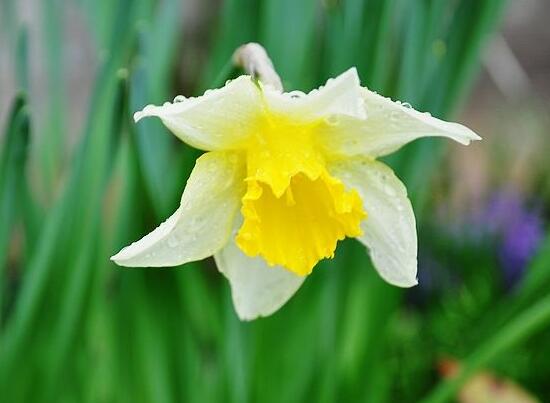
122 258
404 118
349 78
149 110
143 253
392 268
344 93
388 126
352 80
202 224
389 230
402 282
464 135
455 131
340 96
217 120
119 258
257 289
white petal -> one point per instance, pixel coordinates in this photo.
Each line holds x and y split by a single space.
389 231
202 224
219 119
389 125
256 288
339 96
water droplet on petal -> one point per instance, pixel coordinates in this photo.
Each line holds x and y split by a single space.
389 190
332 120
394 116
296 94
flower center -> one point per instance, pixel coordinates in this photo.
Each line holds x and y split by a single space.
294 211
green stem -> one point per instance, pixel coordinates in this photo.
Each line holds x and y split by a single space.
525 325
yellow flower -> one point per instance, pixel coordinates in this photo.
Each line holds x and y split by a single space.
286 176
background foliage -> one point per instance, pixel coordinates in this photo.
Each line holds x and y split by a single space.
74 327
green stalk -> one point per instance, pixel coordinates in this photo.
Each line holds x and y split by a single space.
52 139
489 13
537 278
75 296
378 64
12 171
290 49
227 37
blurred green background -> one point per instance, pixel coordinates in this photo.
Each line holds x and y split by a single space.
79 180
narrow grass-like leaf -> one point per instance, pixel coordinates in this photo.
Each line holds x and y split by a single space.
516 331
75 295
156 148
158 151
236 357
377 65
228 37
489 13
12 172
22 60
412 41
291 49
53 132
85 178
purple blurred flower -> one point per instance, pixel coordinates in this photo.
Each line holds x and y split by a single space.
519 231
507 224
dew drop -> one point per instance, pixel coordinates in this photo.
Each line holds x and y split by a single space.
296 94
332 120
389 190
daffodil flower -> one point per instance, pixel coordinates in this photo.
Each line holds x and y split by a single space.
285 177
